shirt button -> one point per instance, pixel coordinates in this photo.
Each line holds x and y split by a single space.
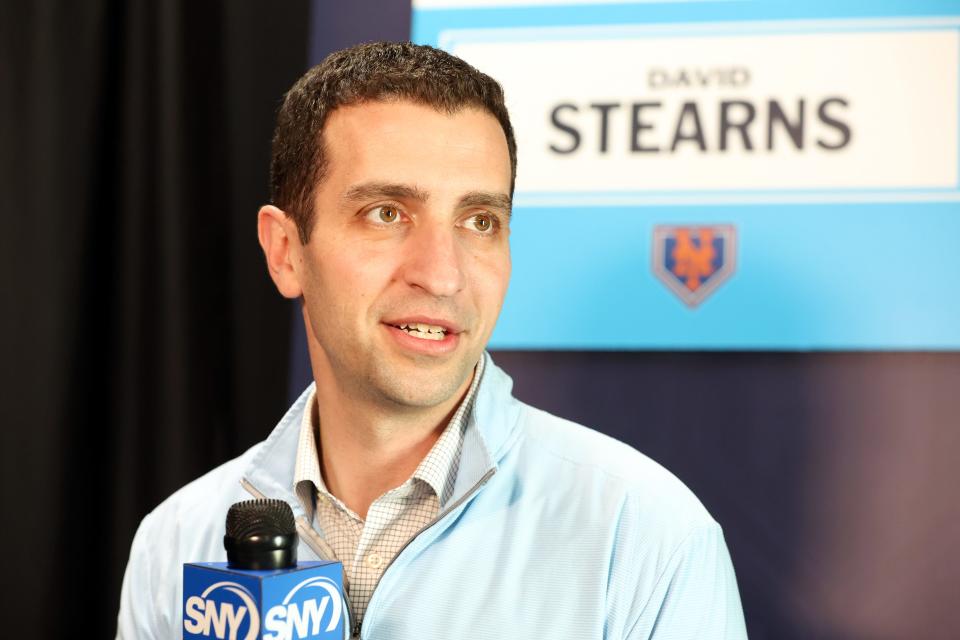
374 561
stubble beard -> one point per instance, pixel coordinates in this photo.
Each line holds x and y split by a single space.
415 383
395 382
370 371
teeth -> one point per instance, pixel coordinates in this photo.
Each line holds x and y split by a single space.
424 331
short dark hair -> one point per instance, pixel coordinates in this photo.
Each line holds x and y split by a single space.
368 72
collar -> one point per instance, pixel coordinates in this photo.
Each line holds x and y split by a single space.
491 428
438 469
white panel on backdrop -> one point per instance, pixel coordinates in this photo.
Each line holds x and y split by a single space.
735 111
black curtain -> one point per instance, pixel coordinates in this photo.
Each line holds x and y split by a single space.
143 342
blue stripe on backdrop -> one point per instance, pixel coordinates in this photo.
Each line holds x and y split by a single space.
850 276
428 23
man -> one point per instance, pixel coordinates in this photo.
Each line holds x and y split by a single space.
457 511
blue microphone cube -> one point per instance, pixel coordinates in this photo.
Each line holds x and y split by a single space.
304 602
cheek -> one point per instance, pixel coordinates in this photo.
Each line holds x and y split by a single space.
339 264
491 277
353 279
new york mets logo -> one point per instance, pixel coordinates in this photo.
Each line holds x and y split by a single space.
694 260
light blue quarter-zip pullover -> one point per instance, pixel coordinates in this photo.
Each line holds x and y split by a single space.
553 531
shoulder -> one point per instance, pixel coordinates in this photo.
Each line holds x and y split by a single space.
193 501
267 465
557 456
665 554
189 523
185 527
590 464
186 524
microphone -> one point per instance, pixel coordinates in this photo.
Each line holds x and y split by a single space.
261 536
262 591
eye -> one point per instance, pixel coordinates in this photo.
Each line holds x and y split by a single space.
385 214
482 223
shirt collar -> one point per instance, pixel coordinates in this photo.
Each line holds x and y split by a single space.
306 474
438 469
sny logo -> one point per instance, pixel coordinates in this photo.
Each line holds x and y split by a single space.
694 260
213 611
304 615
224 609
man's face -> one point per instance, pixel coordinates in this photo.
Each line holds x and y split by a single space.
409 258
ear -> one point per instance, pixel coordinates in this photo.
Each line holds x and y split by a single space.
281 247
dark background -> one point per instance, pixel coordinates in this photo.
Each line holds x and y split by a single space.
143 342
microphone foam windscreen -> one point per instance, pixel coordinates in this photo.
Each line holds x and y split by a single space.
262 517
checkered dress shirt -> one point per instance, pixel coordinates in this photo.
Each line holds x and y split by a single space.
366 548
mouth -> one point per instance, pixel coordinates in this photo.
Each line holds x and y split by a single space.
422 330
425 334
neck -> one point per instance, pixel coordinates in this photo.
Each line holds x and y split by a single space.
367 449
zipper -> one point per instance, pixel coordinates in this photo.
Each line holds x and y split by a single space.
318 545
317 548
439 517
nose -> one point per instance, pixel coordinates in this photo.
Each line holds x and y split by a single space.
433 260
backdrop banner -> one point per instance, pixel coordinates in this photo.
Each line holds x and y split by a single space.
725 175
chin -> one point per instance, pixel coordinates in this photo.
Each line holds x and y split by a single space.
422 388
422 396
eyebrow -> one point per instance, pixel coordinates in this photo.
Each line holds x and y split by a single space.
373 190
487 199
